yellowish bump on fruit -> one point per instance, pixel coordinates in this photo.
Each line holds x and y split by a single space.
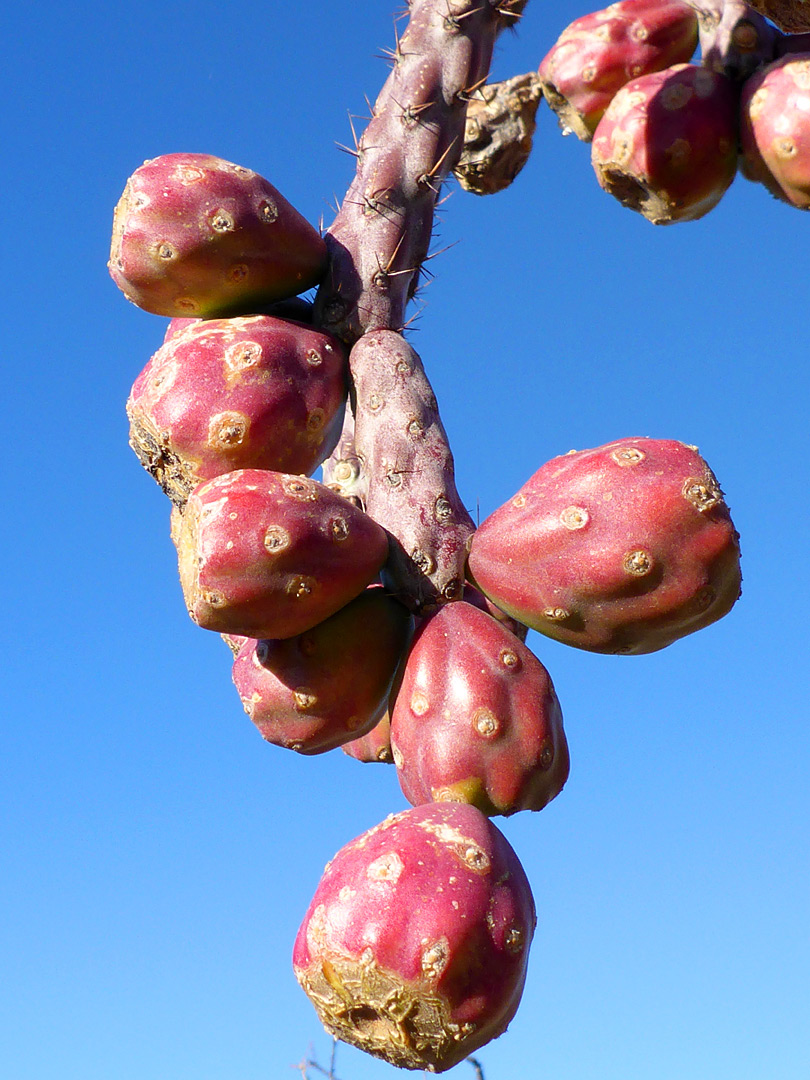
639 563
419 704
627 455
575 517
304 699
676 96
276 539
227 430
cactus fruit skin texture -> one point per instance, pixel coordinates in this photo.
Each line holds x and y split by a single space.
667 144
254 392
599 53
775 129
320 689
194 235
621 549
476 718
269 555
415 944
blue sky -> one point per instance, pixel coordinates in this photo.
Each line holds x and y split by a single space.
156 856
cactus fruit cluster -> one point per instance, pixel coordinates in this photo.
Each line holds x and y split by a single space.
365 610
668 136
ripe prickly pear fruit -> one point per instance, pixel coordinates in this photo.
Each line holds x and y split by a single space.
476 718
269 555
775 129
621 549
374 746
598 54
667 144
329 685
415 945
194 235
244 393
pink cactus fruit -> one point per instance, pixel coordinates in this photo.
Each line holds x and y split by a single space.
244 393
621 549
194 235
599 53
269 555
329 685
476 718
374 746
775 129
415 945
667 144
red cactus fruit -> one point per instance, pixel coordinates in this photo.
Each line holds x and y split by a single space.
196 235
667 144
329 685
599 53
476 718
269 555
244 393
374 746
621 549
415 945
775 129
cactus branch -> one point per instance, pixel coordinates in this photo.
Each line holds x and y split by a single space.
398 460
382 232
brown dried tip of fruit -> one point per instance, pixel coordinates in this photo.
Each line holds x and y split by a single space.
667 144
416 942
194 235
792 16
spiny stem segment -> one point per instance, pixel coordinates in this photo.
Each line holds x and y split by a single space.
382 232
398 461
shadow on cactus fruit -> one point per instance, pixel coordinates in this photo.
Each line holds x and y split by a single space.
621 549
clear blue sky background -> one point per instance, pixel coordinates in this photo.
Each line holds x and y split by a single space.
157 856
